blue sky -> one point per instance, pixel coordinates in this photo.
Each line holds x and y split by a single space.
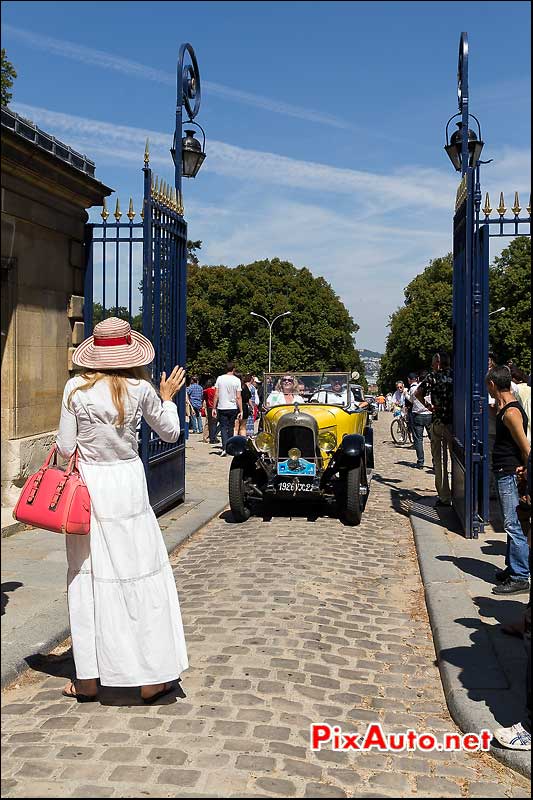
324 121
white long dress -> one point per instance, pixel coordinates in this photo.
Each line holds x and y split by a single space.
123 604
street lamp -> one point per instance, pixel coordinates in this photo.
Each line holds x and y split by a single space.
186 151
270 324
465 146
497 311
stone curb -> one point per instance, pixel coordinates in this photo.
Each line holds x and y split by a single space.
51 627
447 599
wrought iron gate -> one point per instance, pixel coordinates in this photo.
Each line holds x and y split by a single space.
470 357
137 271
471 236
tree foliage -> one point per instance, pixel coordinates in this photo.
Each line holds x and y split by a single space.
8 76
421 326
510 286
424 323
318 335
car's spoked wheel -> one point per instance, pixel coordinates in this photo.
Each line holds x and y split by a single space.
354 499
239 500
397 431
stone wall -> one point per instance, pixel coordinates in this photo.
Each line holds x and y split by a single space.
43 219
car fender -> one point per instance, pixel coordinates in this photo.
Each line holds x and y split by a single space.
238 446
369 446
352 450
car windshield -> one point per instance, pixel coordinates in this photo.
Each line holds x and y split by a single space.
285 388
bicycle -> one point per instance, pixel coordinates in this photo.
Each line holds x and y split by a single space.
400 431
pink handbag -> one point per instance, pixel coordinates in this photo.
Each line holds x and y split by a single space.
56 499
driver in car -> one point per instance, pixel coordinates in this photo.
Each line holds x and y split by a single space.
336 395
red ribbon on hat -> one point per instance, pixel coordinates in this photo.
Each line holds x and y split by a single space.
99 342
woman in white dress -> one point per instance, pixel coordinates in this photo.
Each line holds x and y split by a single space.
123 604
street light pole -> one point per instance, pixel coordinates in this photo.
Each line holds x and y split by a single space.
497 311
270 324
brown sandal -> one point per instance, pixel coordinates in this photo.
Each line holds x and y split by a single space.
71 692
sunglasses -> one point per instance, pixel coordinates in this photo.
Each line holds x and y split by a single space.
287 380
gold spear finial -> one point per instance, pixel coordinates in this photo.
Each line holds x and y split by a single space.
118 212
131 211
528 209
104 213
174 199
516 209
142 211
164 194
181 209
501 208
147 153
155 189
487 207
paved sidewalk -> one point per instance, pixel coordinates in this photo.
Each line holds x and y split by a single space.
34 605
483 670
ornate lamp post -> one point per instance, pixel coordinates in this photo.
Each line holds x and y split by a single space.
186 151
270 324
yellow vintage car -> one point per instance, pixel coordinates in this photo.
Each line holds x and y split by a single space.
316 445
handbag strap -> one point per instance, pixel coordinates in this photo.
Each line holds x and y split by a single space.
39 474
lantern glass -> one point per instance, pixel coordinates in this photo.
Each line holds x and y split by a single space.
453 150
193 156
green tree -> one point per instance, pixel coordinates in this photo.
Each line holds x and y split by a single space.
510 286
318 335
421 326
192 247
424 323
8 76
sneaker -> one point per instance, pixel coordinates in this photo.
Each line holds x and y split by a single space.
510 586
501 575
514 738
223 453
420 466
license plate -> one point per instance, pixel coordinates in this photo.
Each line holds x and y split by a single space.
295 487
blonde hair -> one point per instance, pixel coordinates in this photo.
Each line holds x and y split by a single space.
118 383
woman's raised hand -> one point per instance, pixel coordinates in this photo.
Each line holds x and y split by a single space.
170 386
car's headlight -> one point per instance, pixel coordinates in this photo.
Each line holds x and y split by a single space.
327 441
264 442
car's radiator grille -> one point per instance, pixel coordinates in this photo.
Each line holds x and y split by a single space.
297 436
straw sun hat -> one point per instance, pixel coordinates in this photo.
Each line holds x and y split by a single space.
114 345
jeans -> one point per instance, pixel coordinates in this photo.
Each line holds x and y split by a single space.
517 555
441 443
420 421
213 425
227 417
196 420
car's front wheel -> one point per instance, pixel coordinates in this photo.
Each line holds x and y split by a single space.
354 499
238 500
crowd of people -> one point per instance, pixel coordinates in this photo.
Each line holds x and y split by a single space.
427 404
223 407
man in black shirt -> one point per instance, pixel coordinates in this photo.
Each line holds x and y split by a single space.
439 385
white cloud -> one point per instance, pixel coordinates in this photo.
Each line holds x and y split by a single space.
389 228
109 61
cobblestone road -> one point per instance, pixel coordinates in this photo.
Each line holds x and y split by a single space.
288 621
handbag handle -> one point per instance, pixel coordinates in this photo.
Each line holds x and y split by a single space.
39 474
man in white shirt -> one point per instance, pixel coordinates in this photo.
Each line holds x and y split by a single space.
400 395
227 403
421 418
